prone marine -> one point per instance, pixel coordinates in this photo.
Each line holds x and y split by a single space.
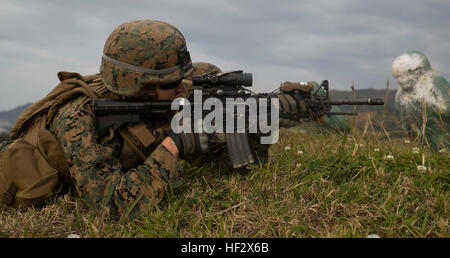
54 143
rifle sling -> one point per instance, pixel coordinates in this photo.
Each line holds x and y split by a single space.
129 140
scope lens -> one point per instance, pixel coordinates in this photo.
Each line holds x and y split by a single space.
247 79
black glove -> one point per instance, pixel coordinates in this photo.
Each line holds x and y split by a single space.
188 143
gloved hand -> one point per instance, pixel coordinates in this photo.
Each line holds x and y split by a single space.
188 143
288 106
293 103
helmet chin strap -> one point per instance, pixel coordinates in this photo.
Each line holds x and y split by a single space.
141 69
183 56
185 59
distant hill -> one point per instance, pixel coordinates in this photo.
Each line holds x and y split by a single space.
11 115
7 118
377 115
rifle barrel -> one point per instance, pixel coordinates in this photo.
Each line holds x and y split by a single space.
368 101
109 107
341 113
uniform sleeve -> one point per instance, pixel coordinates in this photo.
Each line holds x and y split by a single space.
96 170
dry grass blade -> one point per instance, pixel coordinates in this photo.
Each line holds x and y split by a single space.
341 189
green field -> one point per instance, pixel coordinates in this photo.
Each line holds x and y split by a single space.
315 184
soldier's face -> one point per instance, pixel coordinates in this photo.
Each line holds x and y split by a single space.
170 94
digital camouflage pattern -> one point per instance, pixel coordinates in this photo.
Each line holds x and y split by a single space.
204 67
95 167
148 44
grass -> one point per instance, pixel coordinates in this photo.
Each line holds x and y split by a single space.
339 185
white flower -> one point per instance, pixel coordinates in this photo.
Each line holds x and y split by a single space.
361 145
389 157
376 149
298 165
407 141
302 131
287 148
415 150
421 169
300 152
441 150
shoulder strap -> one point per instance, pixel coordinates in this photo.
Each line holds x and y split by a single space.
71 85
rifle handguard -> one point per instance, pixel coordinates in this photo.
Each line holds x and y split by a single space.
291 86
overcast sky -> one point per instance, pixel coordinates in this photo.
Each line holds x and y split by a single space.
343 41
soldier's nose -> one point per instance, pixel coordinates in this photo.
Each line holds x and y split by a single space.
181 88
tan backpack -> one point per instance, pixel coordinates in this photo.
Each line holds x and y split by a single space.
33 164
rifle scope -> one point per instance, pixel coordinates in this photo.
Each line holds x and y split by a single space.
235 78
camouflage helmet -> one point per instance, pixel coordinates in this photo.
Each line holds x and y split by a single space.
144 53
203 67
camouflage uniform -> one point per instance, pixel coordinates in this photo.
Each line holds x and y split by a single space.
137 54
204 67
95 166
96 169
